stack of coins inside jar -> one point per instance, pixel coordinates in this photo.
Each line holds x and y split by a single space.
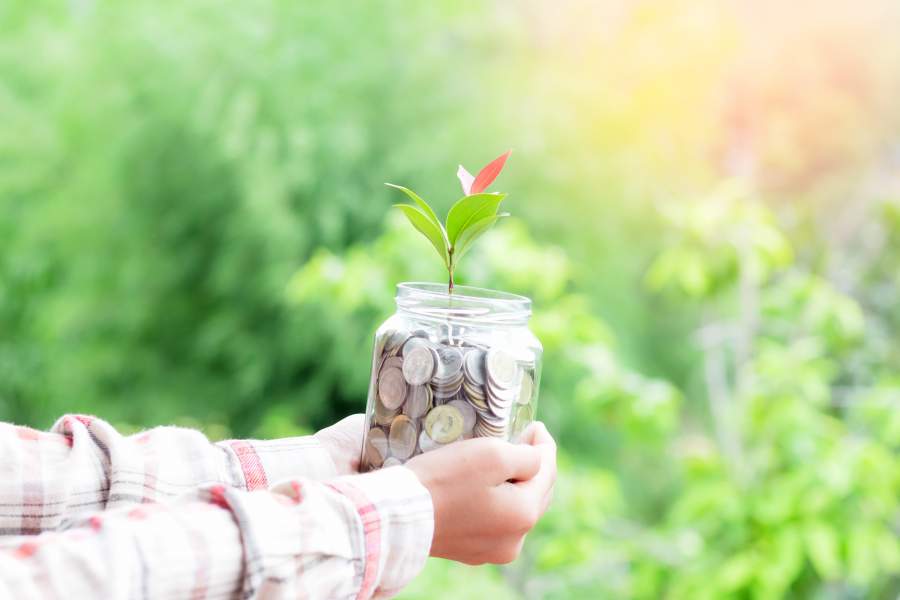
427 393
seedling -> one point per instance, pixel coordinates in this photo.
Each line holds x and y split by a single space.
468 218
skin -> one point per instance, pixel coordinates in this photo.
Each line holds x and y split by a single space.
343 442
510 484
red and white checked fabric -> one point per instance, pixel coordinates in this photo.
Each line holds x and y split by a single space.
88 513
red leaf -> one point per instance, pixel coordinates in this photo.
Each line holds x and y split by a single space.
488 174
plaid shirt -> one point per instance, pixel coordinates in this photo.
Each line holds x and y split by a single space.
88 513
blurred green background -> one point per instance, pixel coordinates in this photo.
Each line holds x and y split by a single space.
706 201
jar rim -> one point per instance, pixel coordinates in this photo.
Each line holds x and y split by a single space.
466 302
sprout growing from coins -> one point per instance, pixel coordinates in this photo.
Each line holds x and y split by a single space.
468 218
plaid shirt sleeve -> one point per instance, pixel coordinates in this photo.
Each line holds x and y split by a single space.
83 464
355 537
359 536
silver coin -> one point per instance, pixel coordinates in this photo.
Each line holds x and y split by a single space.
392 388
426 444
418 366
449 363
474 367
417 340
501 368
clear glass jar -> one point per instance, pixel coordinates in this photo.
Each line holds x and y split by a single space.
448 367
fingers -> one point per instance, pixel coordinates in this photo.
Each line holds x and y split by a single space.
540 487
519 462
354 424
537 434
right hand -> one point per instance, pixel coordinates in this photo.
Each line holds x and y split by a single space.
487 494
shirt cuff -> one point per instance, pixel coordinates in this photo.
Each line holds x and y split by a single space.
263 463
398 523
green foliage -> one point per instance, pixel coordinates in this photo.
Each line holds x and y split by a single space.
193 231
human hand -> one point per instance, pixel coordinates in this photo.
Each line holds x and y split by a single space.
343 442
487 494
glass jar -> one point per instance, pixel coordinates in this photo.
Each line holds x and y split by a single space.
449 367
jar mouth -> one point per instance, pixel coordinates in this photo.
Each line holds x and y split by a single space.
466 303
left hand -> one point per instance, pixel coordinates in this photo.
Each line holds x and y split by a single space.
343 442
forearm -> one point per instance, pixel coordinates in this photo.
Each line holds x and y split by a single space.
84 464
360 536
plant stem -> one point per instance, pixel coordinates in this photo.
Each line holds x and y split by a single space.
450 271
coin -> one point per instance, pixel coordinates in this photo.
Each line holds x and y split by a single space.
426 444
418 401
525 389
467 412
392 362
393 340
484 429
474 367
444 423
524 415
418 366
417 340
384 416
392 388
501 368
449 363
392 461
403 437
376 447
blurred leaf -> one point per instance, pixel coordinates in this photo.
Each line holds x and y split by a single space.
823 548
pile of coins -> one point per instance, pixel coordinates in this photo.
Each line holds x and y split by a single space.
428 394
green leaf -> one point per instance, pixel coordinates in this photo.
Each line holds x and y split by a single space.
469 210
422 205
471 233
426 227
823 549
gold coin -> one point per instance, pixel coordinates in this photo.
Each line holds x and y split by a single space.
467 412
444 423
403 437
